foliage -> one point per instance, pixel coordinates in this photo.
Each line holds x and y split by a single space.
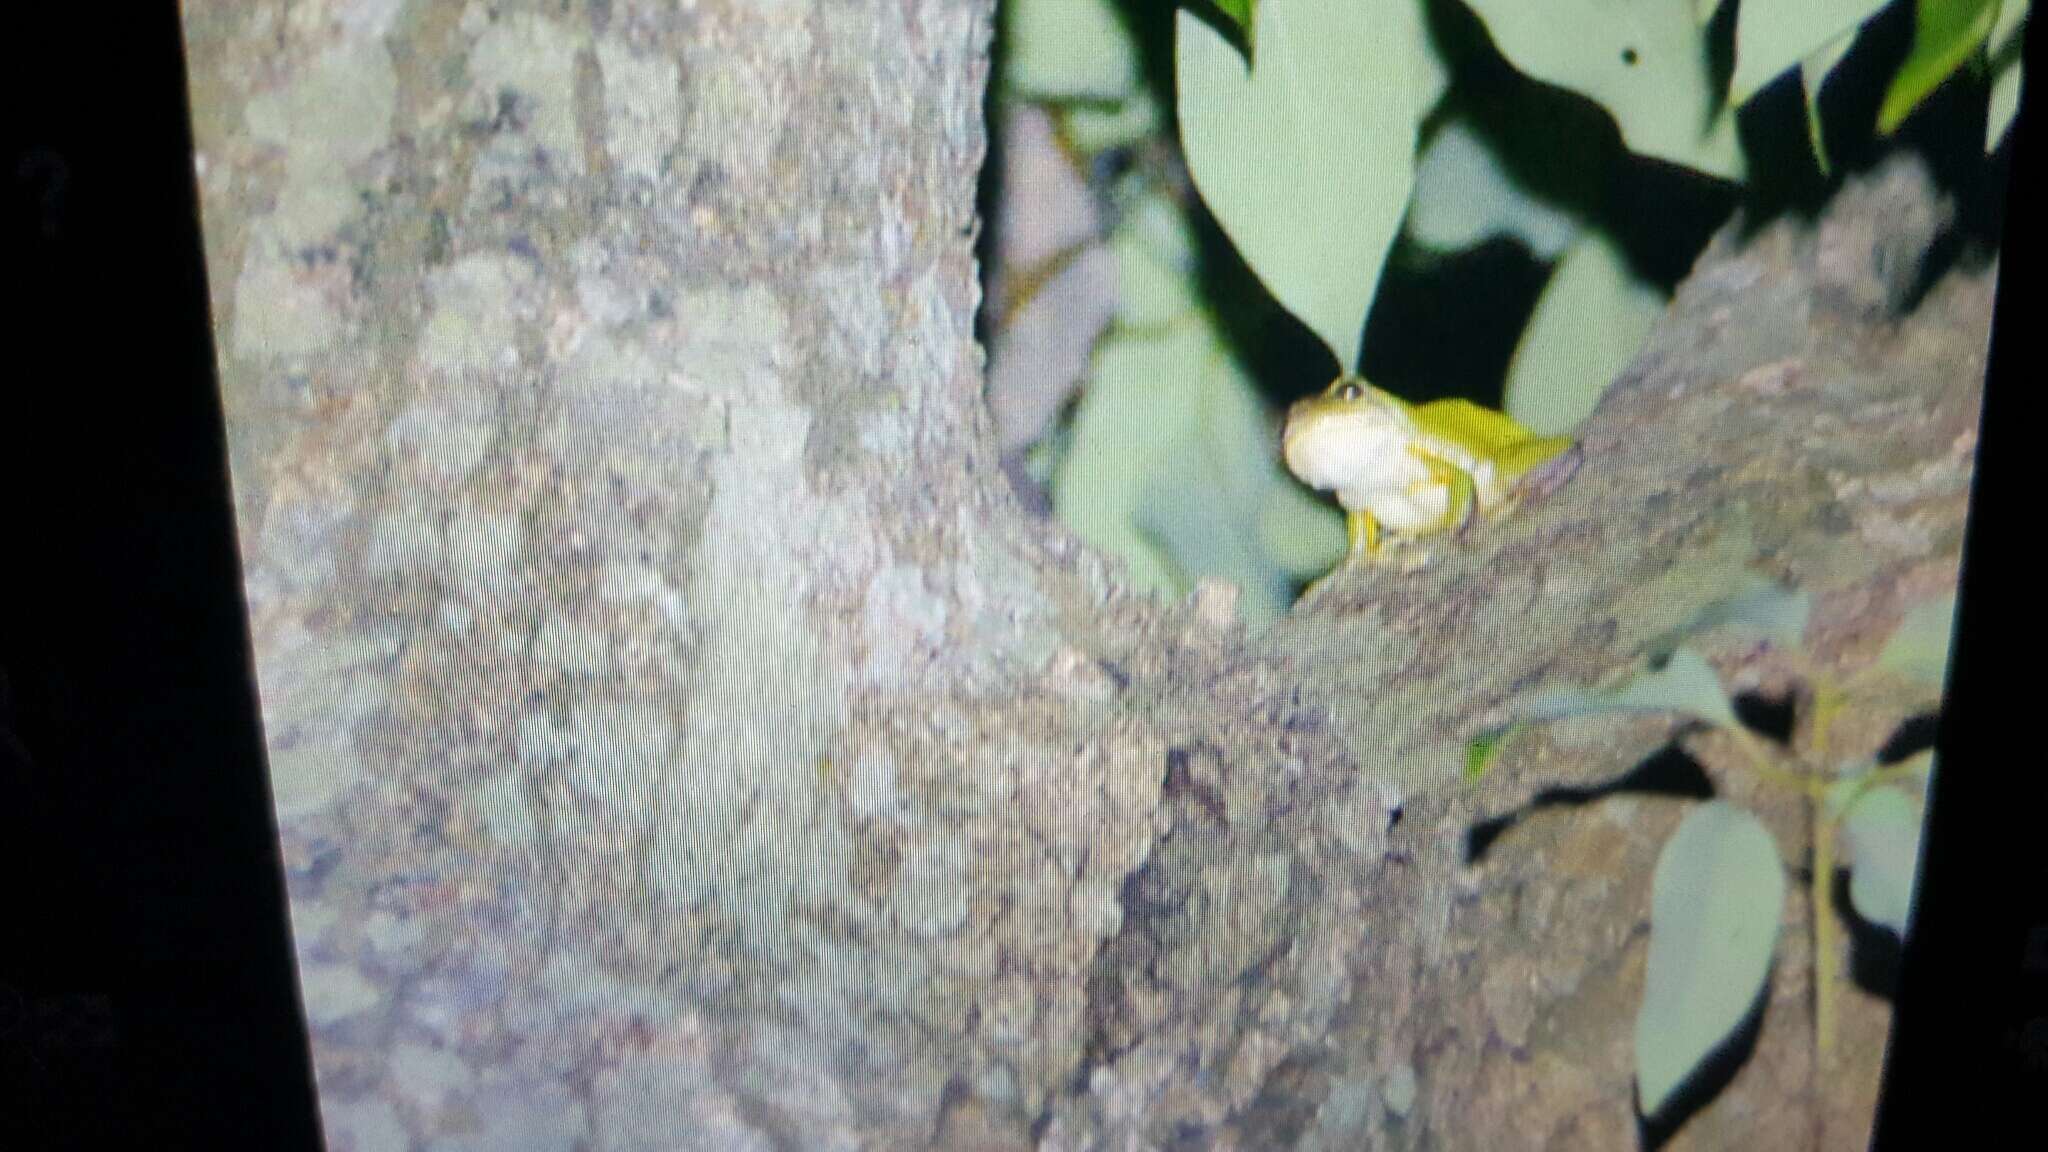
1167 463
1719 883
1323 136
1945 35
1715 900
1465 195
1646 64
1588 324
1069 50
1883 833
1241 13
1307 158
1771 38
1328 137
1919 649
2002 48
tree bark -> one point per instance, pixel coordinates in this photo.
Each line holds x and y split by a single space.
682 738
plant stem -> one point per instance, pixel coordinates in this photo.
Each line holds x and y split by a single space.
1765 764
1825 930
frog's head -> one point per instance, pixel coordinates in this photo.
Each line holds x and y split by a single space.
1334 437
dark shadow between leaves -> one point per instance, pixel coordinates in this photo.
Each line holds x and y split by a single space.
1706 1081
1874 951
1914 735
1770 717
1671 771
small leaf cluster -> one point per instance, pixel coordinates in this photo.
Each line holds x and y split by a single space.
1718 892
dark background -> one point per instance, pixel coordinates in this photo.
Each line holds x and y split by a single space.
147 993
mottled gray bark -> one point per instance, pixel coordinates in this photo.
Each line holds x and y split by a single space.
682 739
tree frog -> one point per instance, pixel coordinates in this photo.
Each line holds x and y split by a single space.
1415 470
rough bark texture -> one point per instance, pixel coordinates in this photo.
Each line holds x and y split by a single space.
683 739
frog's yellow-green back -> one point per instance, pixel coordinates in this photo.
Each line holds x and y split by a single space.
1488 433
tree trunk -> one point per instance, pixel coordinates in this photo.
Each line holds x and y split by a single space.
682 738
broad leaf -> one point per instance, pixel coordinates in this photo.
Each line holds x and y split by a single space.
1240 13
1094 128
1853 780
1155 260
1465 196
1589 323
1715 900
1133 413
1306 156
1687 684
2003 48
1918 650
2005 104
1205 507
1762 607
1773 35
1302 532
1945 34
1644 61
1069 50
2005 30
1882 835
1170 461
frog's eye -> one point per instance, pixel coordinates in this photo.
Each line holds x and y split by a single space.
1350 391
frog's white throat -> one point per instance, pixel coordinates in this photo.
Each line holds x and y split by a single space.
1370 463
1352 452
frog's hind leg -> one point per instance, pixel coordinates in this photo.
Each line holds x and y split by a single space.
1542 466
1364 533
1461 496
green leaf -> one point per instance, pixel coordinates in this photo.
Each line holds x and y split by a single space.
1155 260
1240 13
1481 750
1095 128
1851 781
1589 323
1918 650
1882 836
1170 461
1044 456
1813 74
1301 531
1432 75
1945 34
1465 196
1128 420
1715 900
2005 30
1703 10
1205 509
2005 104
1687 684
1069 50
2003 48
1847 785
1773 35
1644 61
1306 158
1762 607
